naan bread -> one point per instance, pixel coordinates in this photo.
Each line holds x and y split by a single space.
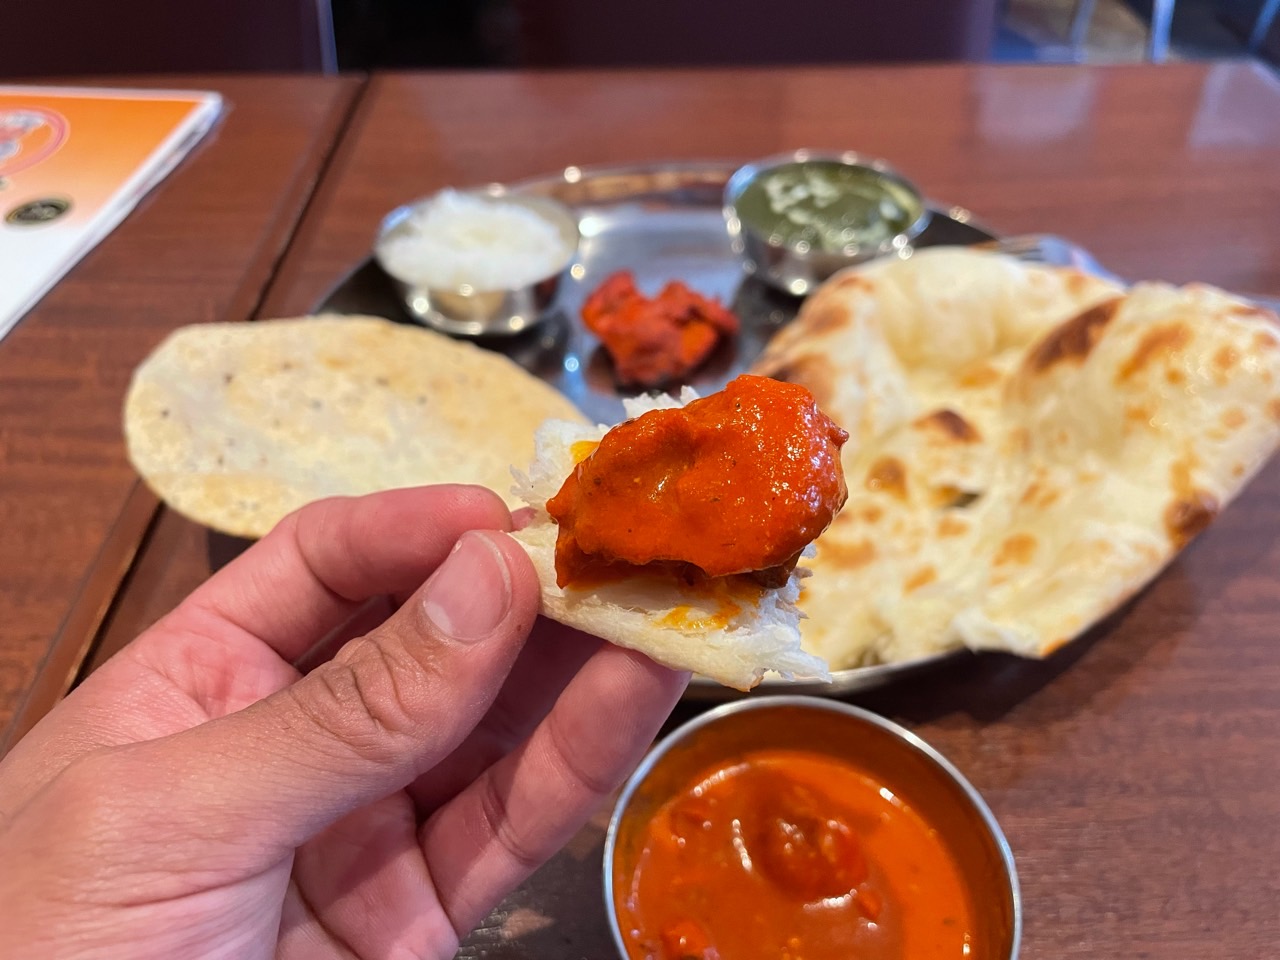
731 636
236 425
1030 445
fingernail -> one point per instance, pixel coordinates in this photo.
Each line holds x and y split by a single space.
470 594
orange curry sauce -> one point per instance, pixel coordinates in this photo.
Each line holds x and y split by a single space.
790 855
739 482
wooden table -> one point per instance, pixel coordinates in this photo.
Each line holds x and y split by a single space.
1137 773
202 247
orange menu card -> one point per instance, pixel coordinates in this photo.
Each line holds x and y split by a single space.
73 162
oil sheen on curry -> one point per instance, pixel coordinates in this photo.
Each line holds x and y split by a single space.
733 485
791 855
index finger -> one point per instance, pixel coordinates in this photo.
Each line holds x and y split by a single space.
314 570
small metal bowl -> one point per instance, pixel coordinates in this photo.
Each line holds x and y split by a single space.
466 311
891 754
797 268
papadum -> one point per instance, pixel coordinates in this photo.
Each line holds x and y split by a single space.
236 425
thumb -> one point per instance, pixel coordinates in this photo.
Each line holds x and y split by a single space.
385 709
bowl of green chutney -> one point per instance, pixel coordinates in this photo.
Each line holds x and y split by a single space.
797 218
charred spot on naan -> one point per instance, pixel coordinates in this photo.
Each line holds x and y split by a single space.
1188 515
1233 418
1018 440
948 497
828 314
1252 311
1180 473
850 282
1078 283
1040 493
1267 339
1223 364
846 556
1074 339
1192 508
921 578
1164 339
1015 550
1140 413
888 475
1273 408
950 425
979 375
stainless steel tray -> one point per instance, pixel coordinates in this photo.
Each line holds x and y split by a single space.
662 222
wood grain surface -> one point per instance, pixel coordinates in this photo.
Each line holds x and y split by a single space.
200 248
1165 173
1137 772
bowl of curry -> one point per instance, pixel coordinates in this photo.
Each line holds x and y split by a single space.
798 827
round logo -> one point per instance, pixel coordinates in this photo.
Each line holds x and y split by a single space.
28 136
35 212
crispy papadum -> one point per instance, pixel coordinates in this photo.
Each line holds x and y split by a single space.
730 637
1029 445
236 425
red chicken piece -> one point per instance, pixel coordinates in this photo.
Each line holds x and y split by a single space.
655 341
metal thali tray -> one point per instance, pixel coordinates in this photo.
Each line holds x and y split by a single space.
662 222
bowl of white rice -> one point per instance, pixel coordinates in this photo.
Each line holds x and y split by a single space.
478 262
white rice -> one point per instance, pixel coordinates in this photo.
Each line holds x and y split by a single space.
461 240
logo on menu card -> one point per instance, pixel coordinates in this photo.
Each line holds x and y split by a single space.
38 211
29 135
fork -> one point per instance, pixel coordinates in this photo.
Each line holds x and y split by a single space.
1059 252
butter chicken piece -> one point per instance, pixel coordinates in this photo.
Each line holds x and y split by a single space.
739 482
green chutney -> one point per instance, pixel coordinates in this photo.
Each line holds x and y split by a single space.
827 205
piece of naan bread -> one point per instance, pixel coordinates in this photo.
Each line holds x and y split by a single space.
236 425
730 634
1029 445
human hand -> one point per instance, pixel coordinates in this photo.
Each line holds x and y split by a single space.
198 797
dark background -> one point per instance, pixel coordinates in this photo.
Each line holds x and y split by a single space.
68 38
